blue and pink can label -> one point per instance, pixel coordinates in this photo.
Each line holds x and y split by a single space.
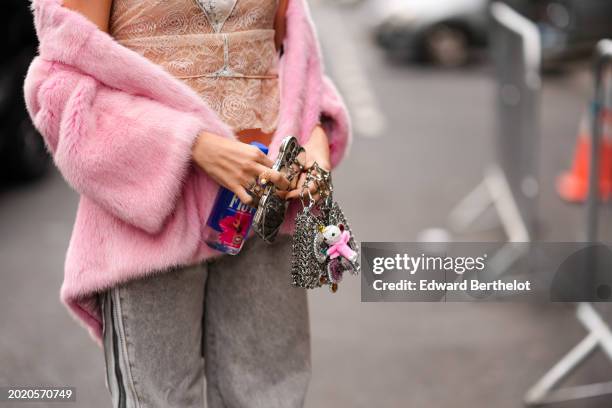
230 220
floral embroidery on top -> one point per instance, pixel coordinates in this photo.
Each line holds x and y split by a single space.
223 49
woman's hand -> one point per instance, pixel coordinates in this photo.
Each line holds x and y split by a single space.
234 165
317 149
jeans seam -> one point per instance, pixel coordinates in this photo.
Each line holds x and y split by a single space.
103 305
125 352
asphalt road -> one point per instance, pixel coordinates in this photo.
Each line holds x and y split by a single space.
423 138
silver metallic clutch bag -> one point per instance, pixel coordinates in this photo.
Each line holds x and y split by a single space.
271 209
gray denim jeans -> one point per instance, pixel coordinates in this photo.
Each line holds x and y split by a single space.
240 312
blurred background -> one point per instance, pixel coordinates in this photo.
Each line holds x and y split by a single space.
432 89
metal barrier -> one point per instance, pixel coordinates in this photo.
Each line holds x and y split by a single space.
603 103
510 185
599 333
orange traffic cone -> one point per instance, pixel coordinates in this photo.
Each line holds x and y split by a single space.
573 185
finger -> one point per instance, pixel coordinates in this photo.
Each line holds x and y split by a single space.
294 170
261 158
243 195
277 178
313 187
292 194
298 181
314 191
254 190
297 193
303 159
295 181
297 187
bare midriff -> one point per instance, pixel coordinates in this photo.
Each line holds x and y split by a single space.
254 135
223 49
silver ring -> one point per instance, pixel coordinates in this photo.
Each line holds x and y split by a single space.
254 189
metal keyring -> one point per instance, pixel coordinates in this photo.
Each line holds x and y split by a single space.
311 199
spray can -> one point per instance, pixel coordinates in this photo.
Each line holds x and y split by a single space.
230 220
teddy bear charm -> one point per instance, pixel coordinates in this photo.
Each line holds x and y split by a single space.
324 248
339 257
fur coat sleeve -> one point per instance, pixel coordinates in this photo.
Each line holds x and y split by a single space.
126 152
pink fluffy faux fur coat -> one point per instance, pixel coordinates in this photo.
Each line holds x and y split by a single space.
120 129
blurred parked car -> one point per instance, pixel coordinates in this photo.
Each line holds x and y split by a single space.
443 31
22 152
440 31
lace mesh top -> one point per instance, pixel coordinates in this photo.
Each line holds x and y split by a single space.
223 49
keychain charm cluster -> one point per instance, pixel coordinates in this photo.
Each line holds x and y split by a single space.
323 248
